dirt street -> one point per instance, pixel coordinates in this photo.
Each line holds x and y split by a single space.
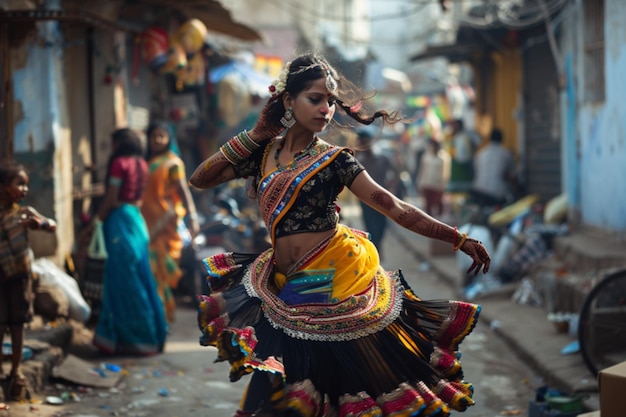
184 381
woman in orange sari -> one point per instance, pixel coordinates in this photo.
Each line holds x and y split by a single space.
167 201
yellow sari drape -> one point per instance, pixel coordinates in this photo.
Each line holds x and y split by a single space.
163 210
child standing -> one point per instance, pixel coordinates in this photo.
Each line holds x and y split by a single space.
16 297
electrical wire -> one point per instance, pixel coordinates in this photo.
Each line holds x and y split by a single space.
502 14
315 15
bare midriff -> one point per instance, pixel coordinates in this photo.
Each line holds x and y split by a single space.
290 249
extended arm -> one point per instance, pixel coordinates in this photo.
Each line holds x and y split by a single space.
416 220
35 220
212 172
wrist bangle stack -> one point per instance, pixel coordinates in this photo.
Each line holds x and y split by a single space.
459 245
239 147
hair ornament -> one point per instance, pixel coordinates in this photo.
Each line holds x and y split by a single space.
278 85
331 83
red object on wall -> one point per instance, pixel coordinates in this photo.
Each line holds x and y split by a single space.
155 45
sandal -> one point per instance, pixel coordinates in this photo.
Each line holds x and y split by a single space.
18 387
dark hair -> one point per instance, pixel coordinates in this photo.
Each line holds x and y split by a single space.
128 144
496 136
128 141
10 170
434 143
151 128
307 68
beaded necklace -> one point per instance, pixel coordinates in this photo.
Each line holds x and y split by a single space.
296 156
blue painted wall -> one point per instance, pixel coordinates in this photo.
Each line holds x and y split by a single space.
602 129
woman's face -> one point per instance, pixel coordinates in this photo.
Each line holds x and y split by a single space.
159 140
314 107
17 189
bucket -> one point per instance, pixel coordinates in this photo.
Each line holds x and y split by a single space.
565 403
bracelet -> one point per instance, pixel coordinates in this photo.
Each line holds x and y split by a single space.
247 141
239 148
460 244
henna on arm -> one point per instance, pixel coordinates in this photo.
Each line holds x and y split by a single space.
416 220
211 172
382 199
419 222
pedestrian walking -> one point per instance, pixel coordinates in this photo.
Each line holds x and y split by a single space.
433 177
169 211
16 294
495 180
462 150
132 318
383 171
316 320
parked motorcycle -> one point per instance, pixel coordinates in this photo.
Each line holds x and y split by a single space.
227 228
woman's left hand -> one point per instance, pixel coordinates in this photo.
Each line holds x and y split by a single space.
477 251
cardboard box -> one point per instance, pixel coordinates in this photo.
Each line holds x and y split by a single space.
591 414
612 384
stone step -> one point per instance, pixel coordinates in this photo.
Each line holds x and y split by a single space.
588 250
48 344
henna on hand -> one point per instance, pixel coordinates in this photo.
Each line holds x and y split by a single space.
267 127
475 250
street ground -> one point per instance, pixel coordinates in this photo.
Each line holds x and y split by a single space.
185 382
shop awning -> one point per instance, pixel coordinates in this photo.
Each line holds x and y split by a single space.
211 12
14 16
256 82
131 15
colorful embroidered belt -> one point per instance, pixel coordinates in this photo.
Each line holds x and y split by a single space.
361 314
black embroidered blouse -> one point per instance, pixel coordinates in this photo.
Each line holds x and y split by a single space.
314 209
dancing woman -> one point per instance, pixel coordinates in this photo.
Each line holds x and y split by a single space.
321 326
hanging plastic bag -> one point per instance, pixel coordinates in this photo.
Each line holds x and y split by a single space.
93 273
97 248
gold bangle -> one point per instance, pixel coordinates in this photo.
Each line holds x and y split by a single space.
460 244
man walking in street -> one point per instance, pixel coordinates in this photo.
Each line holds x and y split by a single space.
495 178
383 171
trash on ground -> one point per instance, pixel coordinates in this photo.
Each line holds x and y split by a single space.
570 348
27 353
54 400
527 294
80 372
510 411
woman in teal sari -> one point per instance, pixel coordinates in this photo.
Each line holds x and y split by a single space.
322 327
131 318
